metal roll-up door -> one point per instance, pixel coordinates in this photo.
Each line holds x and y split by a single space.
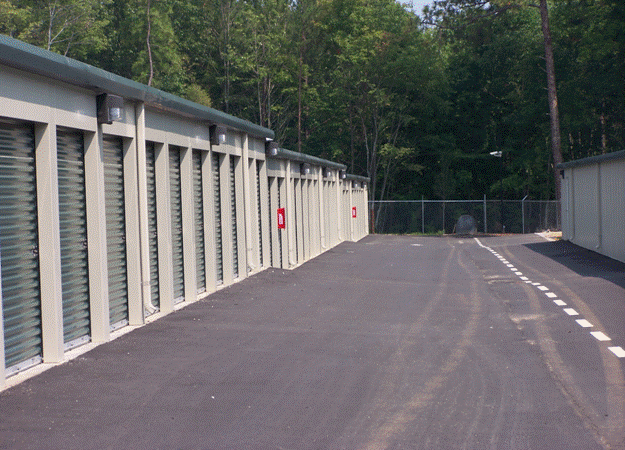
73 232
260 215
21 295
175 202
152 223
198 202
297 242
116 230
280 230
219 262
233 212
271 215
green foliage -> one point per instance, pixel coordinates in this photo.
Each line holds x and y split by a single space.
417 106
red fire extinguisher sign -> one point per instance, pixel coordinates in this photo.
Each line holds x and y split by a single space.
354 212
281 218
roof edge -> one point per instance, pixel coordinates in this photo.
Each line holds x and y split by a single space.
22 56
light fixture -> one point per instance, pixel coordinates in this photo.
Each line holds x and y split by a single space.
109 108
218 134
364 185
496 154
325 172
271 148
304 169
342 174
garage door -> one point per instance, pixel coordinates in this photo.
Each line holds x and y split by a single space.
198 203
259 215
152 224
233 213
116 230
175 202
219 262
73 231
21 299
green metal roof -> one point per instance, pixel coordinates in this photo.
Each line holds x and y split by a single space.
22 56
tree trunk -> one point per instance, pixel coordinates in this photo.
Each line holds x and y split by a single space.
553 98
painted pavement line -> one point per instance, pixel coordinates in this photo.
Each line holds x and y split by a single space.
618 351
571 312
600 336
559 302
584 323
550 294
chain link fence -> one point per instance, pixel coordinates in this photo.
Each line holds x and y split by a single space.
441 216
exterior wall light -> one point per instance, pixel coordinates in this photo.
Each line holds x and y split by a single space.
271 148
342 174
109 108
325 172
218 134
304 169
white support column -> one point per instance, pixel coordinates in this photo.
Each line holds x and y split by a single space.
163 228
339 208
290 216
188 224
96 237
226 218
209 222
350 184
249 207
241 213
49 243
133 251
142 185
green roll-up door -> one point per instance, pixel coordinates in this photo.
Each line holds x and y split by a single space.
271 219
152 223
260 215
116 230
233 213
198 203
21 297
280 230
219 262
73 231
175 201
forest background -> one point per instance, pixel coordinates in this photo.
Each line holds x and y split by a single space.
416 100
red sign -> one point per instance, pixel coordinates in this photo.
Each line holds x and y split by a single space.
354 212
281 218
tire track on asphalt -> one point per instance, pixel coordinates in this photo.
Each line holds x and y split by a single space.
611 431
396 423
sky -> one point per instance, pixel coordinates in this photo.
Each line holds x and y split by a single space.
419 4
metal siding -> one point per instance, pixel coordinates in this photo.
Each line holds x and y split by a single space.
233 212
116 230
280 231
21 298
176 223
613 209
271 212
152 223
219 263
586 207
73 233
198 203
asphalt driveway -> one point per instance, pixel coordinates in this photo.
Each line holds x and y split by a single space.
389 343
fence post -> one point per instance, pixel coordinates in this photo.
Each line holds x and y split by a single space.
485 227
422 216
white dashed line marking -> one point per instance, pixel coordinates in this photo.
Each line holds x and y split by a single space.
524 278
535 284
600 336
559 302
571 312
510 265
550 294
543 288
518 273
584 323
618 351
